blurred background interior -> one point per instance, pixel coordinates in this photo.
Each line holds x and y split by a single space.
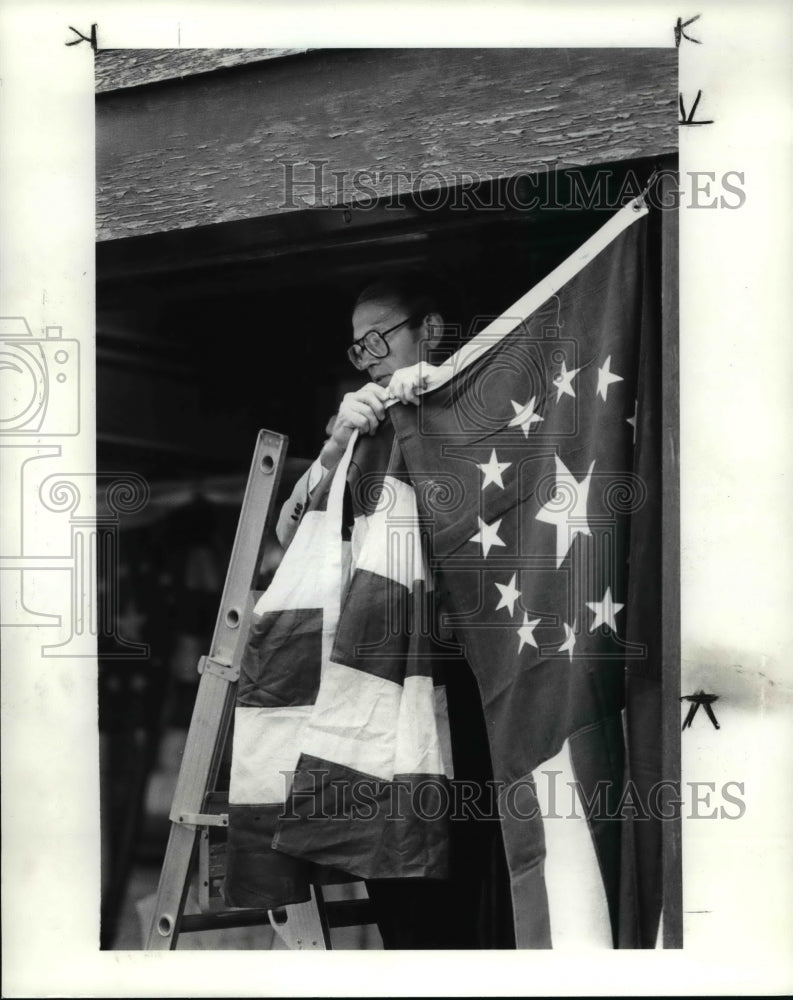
221 310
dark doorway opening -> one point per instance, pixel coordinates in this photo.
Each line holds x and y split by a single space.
208 334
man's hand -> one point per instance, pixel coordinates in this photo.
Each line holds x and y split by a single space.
362 411
407 384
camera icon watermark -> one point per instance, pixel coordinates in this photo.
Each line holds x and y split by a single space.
39 381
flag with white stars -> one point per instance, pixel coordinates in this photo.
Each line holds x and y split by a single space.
513 515
544 455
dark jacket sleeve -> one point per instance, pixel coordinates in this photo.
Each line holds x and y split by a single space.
294 508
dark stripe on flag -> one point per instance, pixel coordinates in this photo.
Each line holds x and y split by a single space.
282 661
256 875
540 706
524 843
597 754
383 628
346 819
373 456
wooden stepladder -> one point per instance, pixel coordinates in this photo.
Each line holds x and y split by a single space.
197 809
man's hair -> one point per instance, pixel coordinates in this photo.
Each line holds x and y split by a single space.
418 292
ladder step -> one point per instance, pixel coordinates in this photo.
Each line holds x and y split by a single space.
339 913
220 921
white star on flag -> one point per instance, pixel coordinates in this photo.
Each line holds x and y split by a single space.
493 470
569 518
569 640
605 378
632 420
487 536
526 632
564 382
605 611
525 415
509 594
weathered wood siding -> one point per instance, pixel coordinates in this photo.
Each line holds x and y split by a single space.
117 69
213 148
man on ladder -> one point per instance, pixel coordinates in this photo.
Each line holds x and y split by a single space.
394 320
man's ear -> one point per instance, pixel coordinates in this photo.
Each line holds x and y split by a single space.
432 329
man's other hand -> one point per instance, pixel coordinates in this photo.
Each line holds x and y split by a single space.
362 411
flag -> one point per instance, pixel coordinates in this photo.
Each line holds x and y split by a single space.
341 719
518 511
537 464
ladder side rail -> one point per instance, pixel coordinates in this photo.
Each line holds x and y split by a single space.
255 516
215 699
197 775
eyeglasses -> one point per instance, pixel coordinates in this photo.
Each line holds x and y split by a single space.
374 343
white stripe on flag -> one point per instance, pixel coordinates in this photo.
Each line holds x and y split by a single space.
418 748
351 703
266 743
576 896
360 530
391 546
293 586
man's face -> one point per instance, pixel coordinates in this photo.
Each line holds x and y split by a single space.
404 343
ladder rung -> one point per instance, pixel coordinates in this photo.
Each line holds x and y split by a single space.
219 921
339 913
